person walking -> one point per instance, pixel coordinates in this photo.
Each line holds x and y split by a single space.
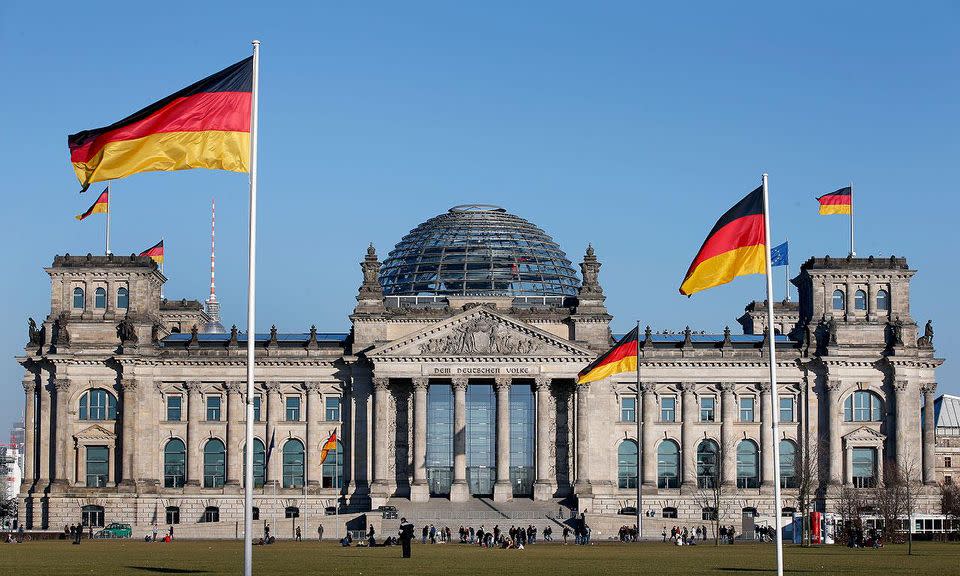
566 534
320 532
406 535
371 540
299 535
423 534
154 533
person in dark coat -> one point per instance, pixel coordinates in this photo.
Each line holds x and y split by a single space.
406 535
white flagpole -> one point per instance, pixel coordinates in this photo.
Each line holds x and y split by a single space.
161 266
786 278
853 252
336 476
636 418
251 317
771 341
109 202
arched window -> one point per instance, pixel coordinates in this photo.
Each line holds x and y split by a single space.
123 298
259 463
860 300
174 463
97 404
92 516
78 299
839 300
788 464
293 464
862 406
708 469
291 512
100 298
627 464
668 465
211 514
883 300
748 465
214 463
332 474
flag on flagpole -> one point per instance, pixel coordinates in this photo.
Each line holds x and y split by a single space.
330 444
155 252
621 358
101 206
205 125
839 202
735 247
779 255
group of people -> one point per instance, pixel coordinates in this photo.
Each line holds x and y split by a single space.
628 533
764 533
685 536
75 532
857 537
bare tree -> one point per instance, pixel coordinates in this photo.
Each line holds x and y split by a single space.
950 499
805 469
712 491
910 475
850 503
890 499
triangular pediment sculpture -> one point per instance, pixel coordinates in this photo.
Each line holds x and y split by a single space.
95 432
478 333
865 435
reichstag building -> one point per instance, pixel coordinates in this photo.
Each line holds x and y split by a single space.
456 383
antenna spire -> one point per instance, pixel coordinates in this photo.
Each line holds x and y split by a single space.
213 236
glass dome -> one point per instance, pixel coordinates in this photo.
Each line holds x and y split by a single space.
478 250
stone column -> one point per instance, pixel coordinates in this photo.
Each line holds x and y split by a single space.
929 434
129 441
314 436
728 413
379 490
60 447
543 488
767 467
583 486
459 491
274 471
44 442
236 419
194 449
420 489
29 423
688 436
835 420
502 488
649 439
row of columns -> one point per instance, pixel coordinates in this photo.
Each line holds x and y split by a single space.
459 491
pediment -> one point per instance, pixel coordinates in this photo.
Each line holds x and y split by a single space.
482 333
93 433
864 435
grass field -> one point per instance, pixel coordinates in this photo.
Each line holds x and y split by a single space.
104 558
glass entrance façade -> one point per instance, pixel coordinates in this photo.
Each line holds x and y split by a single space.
439 439
481 439
522 439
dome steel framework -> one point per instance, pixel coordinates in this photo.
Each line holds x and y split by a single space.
478 250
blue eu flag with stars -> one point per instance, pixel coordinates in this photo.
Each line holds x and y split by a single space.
779 255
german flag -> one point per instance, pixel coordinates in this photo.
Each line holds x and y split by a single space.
839 202
205 125
101 206
735 247
621 358
330 444
155 252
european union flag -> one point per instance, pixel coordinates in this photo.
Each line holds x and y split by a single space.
779 255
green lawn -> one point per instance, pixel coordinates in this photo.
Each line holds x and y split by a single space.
226 557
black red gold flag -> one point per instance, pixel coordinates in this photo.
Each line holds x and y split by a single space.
839 202
621 358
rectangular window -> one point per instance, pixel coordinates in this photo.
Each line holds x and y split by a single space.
293 408
256 408
98 466
628 409
213 408
786 409
173 515
174 407
668 409
746 409
332 404
947 462
708 406
864 467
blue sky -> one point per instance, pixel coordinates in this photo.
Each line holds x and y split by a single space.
629 125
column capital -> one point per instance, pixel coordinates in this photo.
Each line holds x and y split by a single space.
585 387
647 387
312 386
502 383
272 387
128 384
459 382
420 383
763 386
900 385
192 386
928 388
542 382
61 384
236 387
727 388
688 387
29 384
380 382
833 385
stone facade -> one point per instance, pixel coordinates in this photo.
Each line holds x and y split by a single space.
855 379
